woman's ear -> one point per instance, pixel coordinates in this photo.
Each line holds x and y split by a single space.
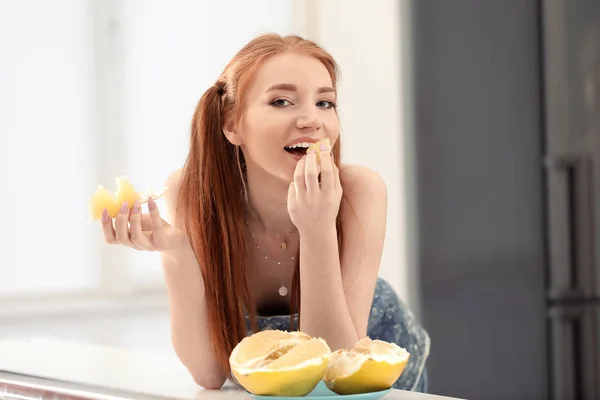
231 132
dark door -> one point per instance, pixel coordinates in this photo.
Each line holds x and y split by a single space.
481 206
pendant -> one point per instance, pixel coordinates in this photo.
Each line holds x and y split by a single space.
283 291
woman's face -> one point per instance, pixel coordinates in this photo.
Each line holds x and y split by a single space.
290 102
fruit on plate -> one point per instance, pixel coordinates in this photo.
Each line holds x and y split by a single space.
372 365
316 146
103 198
279 363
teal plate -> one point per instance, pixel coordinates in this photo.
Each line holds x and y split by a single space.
322 392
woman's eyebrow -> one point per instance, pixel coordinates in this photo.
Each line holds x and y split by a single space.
293 88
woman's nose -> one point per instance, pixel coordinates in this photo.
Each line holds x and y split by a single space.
309 119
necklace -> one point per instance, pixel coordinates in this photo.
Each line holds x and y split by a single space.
283 243
283 290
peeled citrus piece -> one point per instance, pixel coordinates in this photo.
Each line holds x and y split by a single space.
372 365
317 147
279 363
102 199
126 192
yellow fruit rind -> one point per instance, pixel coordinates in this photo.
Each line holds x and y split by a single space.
372 376
289 383
279 363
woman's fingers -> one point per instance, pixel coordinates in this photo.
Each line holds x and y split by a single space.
136 233
158 233
136 229
299 179
336 176
311 172
107 228
327 171
146 222
122 227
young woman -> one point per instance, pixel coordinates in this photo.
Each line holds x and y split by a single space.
259 234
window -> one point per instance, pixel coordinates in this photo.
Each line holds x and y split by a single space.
48 162
92 90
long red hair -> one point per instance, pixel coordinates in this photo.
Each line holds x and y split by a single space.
212 198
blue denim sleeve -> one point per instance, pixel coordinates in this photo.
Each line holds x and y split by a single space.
392 321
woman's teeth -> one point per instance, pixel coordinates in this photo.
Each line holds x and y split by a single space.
306 145
298 148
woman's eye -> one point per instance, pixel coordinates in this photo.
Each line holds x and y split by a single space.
326 104
280 103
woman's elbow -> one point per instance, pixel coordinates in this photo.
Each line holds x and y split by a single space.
210 382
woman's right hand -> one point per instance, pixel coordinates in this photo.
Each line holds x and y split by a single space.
141 231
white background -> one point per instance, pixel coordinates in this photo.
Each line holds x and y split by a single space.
90 90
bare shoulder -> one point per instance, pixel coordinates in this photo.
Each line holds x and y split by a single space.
173 184
360 181
365 193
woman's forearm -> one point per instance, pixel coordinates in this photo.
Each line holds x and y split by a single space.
324 311
190 333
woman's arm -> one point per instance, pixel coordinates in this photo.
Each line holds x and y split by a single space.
190 332
324 309
337 290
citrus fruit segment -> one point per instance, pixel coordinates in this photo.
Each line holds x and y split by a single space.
126 192
279 363
102 198
372 365
317 147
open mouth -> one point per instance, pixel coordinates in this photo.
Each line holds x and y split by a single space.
298 149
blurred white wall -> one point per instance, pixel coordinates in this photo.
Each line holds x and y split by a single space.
91 90
47 156
98 89
367 40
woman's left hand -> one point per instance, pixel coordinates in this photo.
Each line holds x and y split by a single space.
314 206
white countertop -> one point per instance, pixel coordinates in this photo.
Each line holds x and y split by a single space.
93 367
